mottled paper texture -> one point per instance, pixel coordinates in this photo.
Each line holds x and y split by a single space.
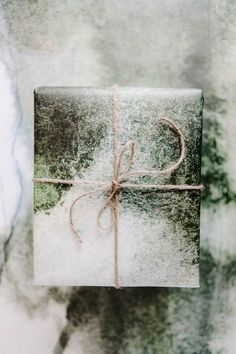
158 230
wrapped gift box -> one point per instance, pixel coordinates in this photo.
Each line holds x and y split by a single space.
157 242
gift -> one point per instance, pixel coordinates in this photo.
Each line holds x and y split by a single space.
117 186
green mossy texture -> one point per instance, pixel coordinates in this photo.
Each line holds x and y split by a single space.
214 177
46 195
144 320
64 144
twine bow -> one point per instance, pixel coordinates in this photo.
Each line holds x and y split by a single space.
120 176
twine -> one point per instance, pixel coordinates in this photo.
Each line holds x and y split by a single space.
118 181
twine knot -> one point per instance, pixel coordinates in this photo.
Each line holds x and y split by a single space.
115 186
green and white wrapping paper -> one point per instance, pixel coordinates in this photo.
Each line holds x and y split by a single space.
158 230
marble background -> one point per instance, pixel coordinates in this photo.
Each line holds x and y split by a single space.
173 43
